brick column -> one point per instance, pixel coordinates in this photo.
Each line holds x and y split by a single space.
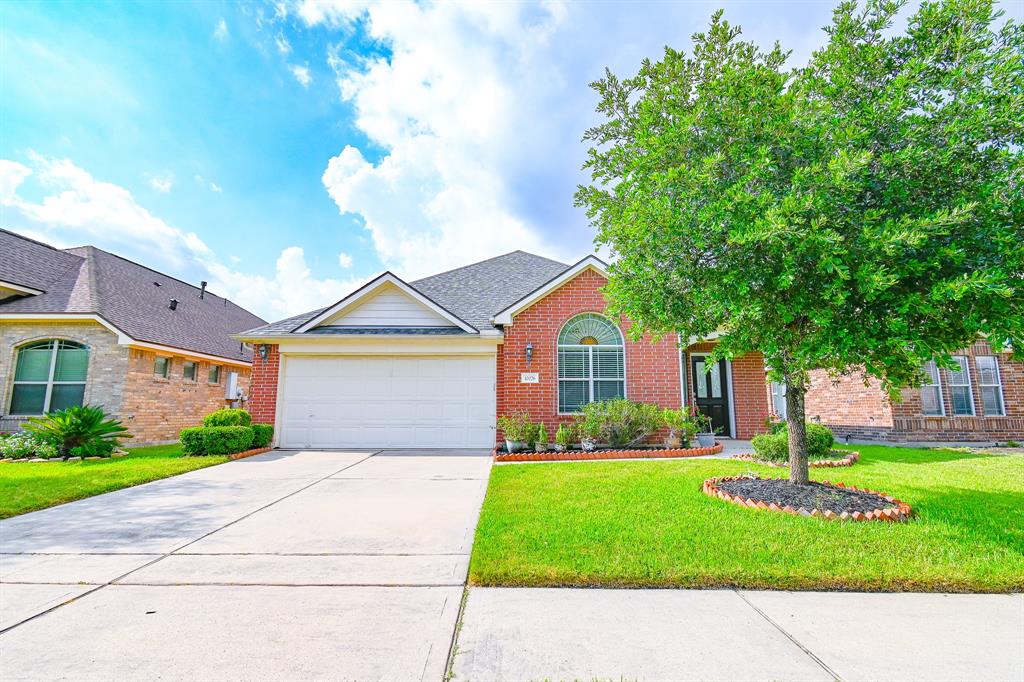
263 386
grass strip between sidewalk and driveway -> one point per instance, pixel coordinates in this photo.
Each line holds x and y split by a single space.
28 486
647 524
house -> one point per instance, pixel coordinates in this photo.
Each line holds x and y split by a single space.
980 401
431 363
84 326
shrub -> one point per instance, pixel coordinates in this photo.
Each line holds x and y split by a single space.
226 440
262 435
96 448
193 440
217 440
620 422
565 435
679 422
26 445
542 434
518 427
774 447
76 427
228 417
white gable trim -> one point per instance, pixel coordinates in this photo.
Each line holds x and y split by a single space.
588 263
372 286
19 289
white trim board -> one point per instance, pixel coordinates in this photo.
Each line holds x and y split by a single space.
369 288
594 263
18 288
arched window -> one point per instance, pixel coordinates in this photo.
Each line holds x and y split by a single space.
49 376
591 362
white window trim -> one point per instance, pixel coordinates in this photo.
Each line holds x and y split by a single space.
938 384
49 383
998 384
590 359
683 397
728 386
785 405
970 389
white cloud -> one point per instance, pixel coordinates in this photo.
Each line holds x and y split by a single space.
448 105
283 46
221 31
161 183
344 260
213 186
301 74
76 208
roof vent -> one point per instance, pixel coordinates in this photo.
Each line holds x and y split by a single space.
202 289
156 284
174 304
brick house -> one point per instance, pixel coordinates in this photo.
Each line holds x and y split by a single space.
431 363
84 326
981 401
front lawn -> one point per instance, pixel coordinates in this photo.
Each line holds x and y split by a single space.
27 486
647 524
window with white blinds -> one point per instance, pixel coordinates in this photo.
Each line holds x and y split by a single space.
990 385
591 362
931 392
960 387
49 376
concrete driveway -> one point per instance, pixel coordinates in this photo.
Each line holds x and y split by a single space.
288 565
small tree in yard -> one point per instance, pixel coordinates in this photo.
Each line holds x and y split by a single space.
865 211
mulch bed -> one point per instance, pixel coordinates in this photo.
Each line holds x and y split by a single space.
843 459
572 455
832 501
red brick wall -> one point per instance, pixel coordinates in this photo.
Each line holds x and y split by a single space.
263 392
750 395
848 406
851 409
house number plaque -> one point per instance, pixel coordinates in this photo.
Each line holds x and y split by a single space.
529 378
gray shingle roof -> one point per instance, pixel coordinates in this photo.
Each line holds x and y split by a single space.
133 298
473 293
30 263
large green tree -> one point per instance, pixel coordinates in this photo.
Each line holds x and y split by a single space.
861 213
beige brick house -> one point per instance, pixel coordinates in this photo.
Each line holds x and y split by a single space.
84 326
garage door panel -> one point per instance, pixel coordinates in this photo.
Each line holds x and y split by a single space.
335 402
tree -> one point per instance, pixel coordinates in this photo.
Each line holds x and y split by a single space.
861 213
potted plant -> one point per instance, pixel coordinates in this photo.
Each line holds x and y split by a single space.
705 434
541 445
589 430
519 431
681 428
564 437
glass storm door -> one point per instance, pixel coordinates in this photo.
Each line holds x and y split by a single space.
711 392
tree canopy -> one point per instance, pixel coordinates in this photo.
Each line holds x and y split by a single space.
862 211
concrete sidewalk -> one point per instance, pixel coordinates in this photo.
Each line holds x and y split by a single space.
650 635
284 566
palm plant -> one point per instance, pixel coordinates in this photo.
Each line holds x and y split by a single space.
85 427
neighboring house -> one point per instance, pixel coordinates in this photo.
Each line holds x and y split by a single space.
981 401
431 363
84 326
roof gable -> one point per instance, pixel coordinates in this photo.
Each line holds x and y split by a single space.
505 316
386 302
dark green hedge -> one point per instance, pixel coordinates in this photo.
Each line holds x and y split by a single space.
262 434
216 440
228 417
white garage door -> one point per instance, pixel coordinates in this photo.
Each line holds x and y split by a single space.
388 401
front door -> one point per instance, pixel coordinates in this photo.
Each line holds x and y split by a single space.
711 391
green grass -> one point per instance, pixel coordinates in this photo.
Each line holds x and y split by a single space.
647 524
27 486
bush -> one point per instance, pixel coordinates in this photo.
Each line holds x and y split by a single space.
565 435
96 448
620 422
26 445
77 427
262 435
216 440
518 428
228 417
774 447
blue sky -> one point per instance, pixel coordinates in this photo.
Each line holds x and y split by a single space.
288 151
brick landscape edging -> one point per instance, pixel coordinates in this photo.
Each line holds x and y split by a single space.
249 453
573 455
900 511
849 460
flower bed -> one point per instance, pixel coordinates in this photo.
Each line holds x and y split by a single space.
573 455
847 459
841 503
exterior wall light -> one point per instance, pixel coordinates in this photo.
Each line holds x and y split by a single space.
529 353
264 351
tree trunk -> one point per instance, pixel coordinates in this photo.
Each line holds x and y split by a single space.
796 387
